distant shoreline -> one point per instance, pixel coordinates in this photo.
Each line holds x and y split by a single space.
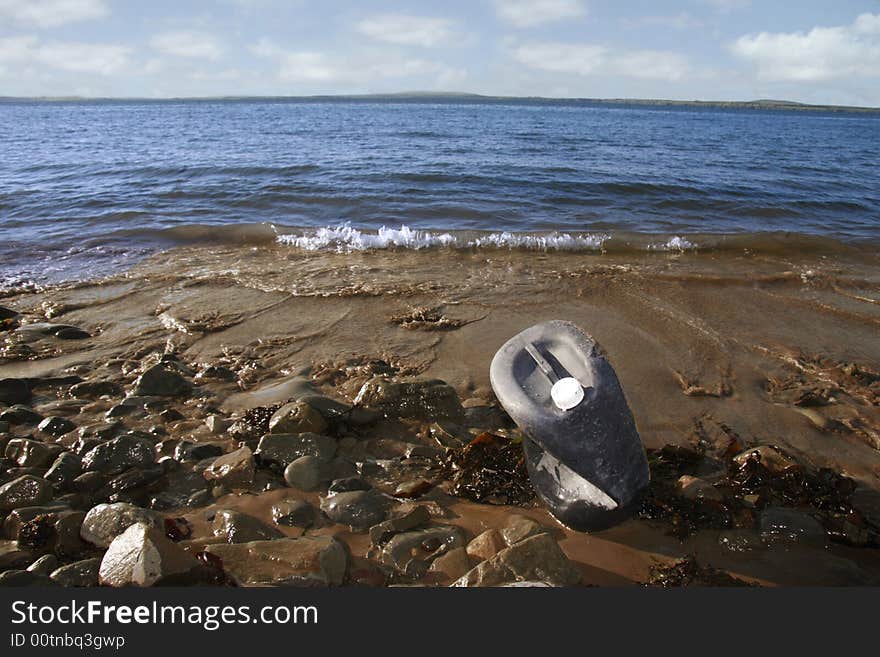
457 98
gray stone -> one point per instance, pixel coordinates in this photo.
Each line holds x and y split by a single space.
347 484
72 333
217 424
237 527
412 552
486 545
284 449
307 473
358 509
14 556
304 561
24 578
234 469
44 565
28 453
537 558
26 490
64 469
162 381
188 451
88 482
297 417
451 565
56 426
783 525
14 391
420 399
117 455
78 573
294 513
405 519
92 389
519 528
7 313
105 522
143 556
20 414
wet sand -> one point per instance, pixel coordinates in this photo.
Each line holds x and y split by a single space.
774 348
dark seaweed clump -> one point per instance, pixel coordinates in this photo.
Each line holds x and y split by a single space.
687 572
490 470
745 487
255 423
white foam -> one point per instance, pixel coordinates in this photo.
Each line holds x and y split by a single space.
674 244
345 238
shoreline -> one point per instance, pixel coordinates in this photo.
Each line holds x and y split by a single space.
770 349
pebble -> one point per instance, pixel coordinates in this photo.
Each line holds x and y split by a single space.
308 560
537 558
105 522
306 473
695 488
119 454
93 389
293 513
143 556
56 426
78 573
412 552
453 564
20 414
234 469
298 417
238 527
26 490
44 565
359 509
28 453
486 545
14 391
519 528
161 381
217 424
284 449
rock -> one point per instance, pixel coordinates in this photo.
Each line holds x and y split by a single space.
18 517
284 449
105 522
308 560
411 553
64 469
519 528
358 509
4 426
24 578
347 484
130 480
68 525
26 490
413 488
187 451
740 540
7 313
453 564
217 424
234 469
162 381
237 527
78 573
293 513
44 565
56 426
115 456
14 391
12 555
694 488
143 556
536 558
88 482
770 457
486 545
423 400
72 333
298 417
20 414
307 473
408 519
28 453
784 525
91 389
171 415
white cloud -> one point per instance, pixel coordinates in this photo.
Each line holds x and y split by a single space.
51 13
408 30
528 13
590 59
103 59
186 43
312 67
823 53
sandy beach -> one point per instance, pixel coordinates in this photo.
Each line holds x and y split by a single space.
752 376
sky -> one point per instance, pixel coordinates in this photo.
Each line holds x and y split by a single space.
815 51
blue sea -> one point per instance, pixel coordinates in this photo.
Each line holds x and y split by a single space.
88 188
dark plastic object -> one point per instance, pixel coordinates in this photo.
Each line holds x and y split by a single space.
587 464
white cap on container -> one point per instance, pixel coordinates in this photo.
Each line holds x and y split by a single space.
567 393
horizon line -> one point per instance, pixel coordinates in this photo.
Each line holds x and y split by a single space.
415 95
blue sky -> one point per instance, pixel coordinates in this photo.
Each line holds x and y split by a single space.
809 50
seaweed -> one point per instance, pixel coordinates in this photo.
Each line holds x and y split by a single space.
490 470
688 572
